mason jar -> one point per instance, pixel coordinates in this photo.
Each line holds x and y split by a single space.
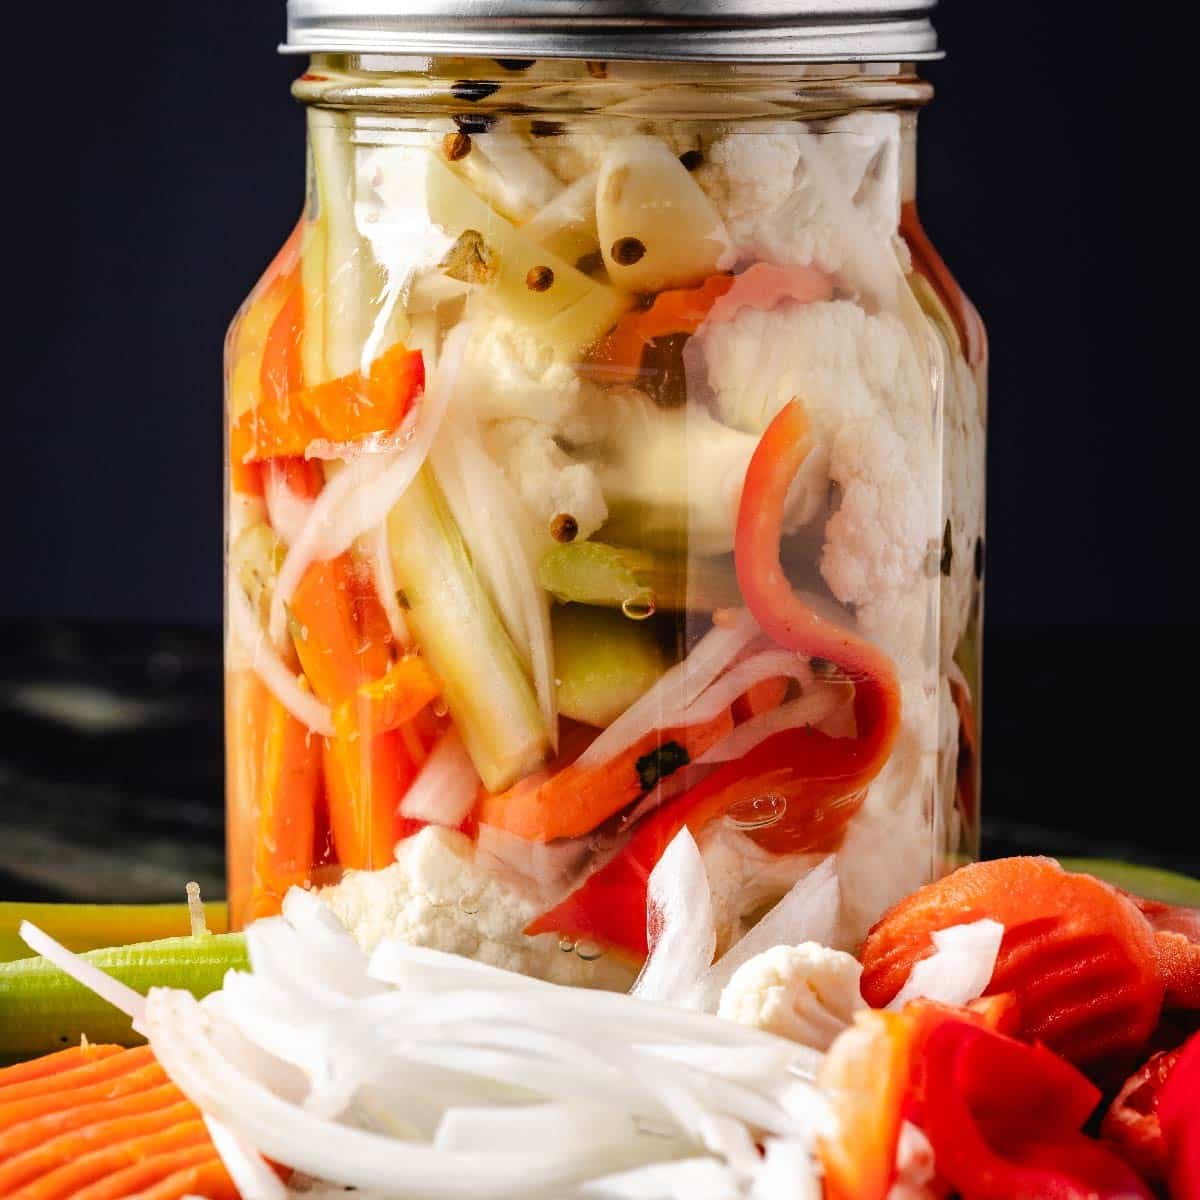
604 464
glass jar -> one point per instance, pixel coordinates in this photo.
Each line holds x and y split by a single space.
605 462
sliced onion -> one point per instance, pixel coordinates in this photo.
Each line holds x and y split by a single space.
680 925
814 708
549 869
677 689
687 1179
249 1171
119 995
808 913
361 495
272 670
960 967
787 1172
287 512
383 578
445 788
739 679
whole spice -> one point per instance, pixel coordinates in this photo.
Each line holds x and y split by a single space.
692 159
456 145
627 251
539 279
564 528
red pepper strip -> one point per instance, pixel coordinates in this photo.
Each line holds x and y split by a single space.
1179 1114
821 778
1132 1125
1003 1118
928 263
1177 943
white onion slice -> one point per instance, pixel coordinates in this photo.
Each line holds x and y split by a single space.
272 670
247 1168
960 967
550 869
383 579
787 1172
687 1179
287 512
681 685
496 1130
118 994
679 920
445 788
813 708
719 695
808 913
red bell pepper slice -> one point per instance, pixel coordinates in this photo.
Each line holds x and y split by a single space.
1179 1115
820 777
1132 1124
1003 1120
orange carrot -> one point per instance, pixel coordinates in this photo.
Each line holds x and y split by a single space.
208 1179
91 1070
146 1076
390 701
19 1135
1078 956
572 801
287 805
64 1166
55 1064
761 698
342 639
134 1180
764 285
246 706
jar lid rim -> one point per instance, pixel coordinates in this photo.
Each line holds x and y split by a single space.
632 30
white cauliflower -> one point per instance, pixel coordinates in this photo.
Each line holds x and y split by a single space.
762 185
860 382
744 879
437 895
808 993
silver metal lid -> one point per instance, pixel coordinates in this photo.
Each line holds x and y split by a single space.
647 30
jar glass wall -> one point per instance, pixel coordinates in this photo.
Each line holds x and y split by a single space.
605 460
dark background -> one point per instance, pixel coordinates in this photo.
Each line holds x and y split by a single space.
157 163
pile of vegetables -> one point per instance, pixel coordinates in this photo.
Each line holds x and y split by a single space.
1014 1029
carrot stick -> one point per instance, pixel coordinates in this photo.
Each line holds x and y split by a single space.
133 1180
246 706
287 804
19 1135
89 1071
208 1179
64 1165
148 1076
390 701
572 801
55 1064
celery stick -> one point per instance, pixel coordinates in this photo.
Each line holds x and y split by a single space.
90 926
489 695
42 1009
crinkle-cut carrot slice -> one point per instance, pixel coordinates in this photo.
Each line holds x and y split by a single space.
147 1076
107 1067
1079 957
143 1176
92 1155
53 1064
208 1179
22 1135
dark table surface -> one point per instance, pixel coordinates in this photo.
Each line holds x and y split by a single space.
111 777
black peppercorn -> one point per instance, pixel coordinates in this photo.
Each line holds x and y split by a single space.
539 279
564 528
627 251
456 145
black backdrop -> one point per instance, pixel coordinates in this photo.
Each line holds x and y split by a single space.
155 162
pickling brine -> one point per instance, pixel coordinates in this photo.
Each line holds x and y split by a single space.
605 459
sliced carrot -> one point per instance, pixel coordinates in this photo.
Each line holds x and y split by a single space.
64 1166
21 1135
1177 941
761 698
247 702
390 701
618 357
55 1064
1077 955
139 1079
86 1072
207 1179
365 781
287 806
573 801
864 1075
138 1178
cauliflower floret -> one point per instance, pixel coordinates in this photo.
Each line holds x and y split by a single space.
546 477
859 379
763 187
744 879
807 993
437 895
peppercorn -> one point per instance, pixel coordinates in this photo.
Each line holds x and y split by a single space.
564 528
539 279
456 145
627 251
691 159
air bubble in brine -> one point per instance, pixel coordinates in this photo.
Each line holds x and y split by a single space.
639 607
588 951
758 811
469 905
566 945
